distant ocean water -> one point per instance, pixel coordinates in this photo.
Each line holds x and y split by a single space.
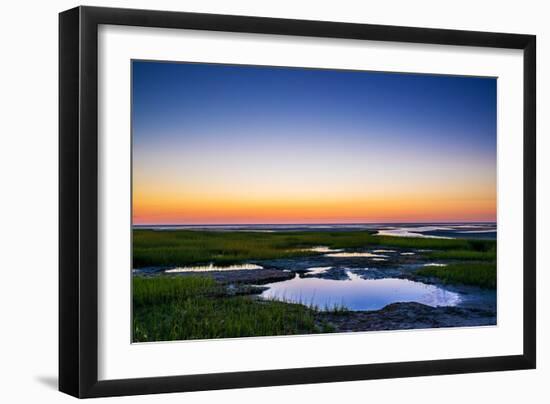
427 230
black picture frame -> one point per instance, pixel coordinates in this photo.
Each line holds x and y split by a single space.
78 201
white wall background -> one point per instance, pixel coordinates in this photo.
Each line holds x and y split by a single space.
28 202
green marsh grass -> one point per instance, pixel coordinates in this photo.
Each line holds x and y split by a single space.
483 274
466 255
180 308
197 307
189 247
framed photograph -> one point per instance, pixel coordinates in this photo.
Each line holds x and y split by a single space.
251 201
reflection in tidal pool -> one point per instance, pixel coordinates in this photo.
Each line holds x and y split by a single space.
357 293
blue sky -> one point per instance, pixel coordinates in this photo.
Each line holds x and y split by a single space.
354 128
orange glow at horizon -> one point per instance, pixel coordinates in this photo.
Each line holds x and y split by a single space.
425 207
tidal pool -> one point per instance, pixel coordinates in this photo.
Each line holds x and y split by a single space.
214 268
358 294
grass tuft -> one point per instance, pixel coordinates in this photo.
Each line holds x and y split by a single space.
483 274
172 308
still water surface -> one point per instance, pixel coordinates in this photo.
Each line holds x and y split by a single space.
357 293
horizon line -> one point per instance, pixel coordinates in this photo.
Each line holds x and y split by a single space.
309 224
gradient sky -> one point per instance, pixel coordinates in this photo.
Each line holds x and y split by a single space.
221 144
